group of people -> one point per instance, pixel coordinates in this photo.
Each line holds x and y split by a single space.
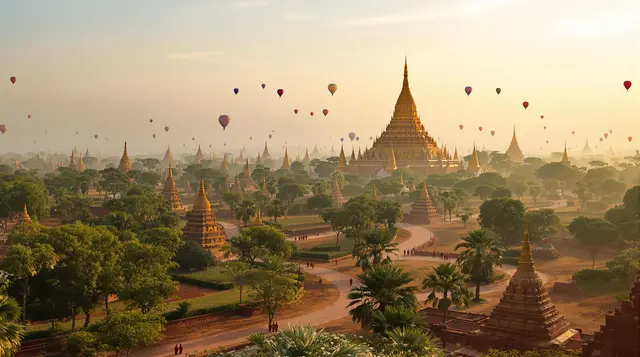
273 327
177 350
445 256
300 238
411 251
311 265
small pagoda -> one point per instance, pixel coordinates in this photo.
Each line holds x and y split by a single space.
25 218
80 165
265 153
187 188
249 184
525 317
423 210
307 158
285 161
72 161
374 193
170 193
168 158
352 159
224 167
474 162
586 149
342 159
201 225
337 199
125 163
514 152
237 188
565 156
199 155
315 153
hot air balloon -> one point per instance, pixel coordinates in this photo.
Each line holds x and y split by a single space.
325 112
295 111
525 105
545 127
332 88
606 135
461 126
547 141
371 138
341 140
251 138
627 85
263 86
610 131
629 138
601 139
3 128
95 136
311 113
480 128
154 136
13 80
357 138
542 117
209 145
236 90
468 90
352 136
270 136
224 120
193 139
29 116
498 90
76 133
573 132
280 92
150 120
273 131
166 128
493 132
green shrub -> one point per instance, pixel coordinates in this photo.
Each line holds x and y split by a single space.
510 260
325 248
594 206
320 255
512 253
176 314
273 224
589 275
215 285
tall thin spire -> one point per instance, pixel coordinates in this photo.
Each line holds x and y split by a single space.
405 105
285 162
565 156
342 160
201 202
25 215
125 163
525 264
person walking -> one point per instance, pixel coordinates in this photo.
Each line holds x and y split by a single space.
180 349
276 326
175 350
350 282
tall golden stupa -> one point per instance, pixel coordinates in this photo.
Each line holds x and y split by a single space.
406 139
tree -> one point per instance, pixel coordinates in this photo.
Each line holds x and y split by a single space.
375 248
449 201
23 262
289 192
384 321
613 187
149 209
480 253
232 199
319 201
483 191
125 331
386 213
542 223
534 191
411 341
82 344
338 220
504 216
240 275
257 242
501 192
583 193
113 182
191 257
465 215
72 205
324 169
276 209
445 279
530 353
11 332
168 238
380 286
626 264
559 172
276 285
360 212
594 234
245 211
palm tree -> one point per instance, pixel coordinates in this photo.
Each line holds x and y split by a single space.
375 248
240 274
245 211
446 279
11 332
411 341
382 322
307 341
449 201
277 208
381 286
123 221
481 252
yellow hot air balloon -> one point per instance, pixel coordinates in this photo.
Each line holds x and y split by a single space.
332 88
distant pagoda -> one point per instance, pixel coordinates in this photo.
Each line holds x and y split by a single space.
474 162
306 159
72 160
237 188
332 152
125 163
201 225
168 158
265 153
315 153
187 188
374 193
25 218
565 156
586 149
170 193
337 199
353 156
199 155
285 161
240 158
80 165
514 152
525 313
224 167
258 160
249 184
342 159
391 162
422 210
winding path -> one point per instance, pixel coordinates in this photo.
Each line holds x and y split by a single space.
335 311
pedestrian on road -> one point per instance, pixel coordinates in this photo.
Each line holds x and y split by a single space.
175 350
350 282
276 326
180 349
320 281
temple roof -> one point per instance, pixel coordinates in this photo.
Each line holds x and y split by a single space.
125 163
586 148
405 108
353 155
168 157
514 152
285 161
25 215
72 161
80 165
565 156
342 160
201 202
199 155
306 156
474 163
265 153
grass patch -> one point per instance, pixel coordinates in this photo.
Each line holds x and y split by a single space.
212 274
613 288
472 303
298 221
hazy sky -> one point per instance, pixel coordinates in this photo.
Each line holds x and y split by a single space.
106 67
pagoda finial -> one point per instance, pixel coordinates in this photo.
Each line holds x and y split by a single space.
25 215
201 202
525 264
285 161
565 156
342 160
391 161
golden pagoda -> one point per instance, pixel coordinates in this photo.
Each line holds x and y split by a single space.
391 162
25 218
170 193
342 160
265 153
72 161
337 199
199 155
422 210
201 225
257 221
249 184
125 164
306 159
80 165
565 156
514 152
455 154
285 162
525 313
405 134
474 163
223 165
168 158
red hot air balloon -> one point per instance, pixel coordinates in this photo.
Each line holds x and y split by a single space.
542 117
480 128
295 111
3 128
29 116
627 85
573 132
606 135
629 138
280 92
461 126
13 80
311 113
224 120
325 112
525 105
468 90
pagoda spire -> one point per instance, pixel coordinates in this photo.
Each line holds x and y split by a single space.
353 155
337 199
474 163
201 225
391 161
514 152
258 160
168 157
201 202
306 156
405 105
285 161
236 185
455 154
359 153
374 192
80 165
342 160
265 153
199 155
223 164
586 149
25 216
565 156
249 184
72 161
170 192
125 163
